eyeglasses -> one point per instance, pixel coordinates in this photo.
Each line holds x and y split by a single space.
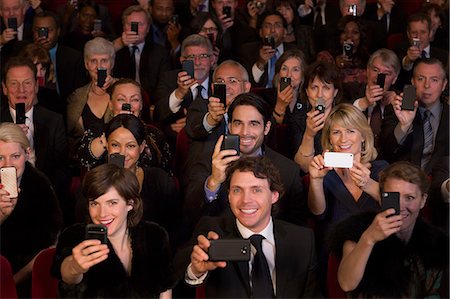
15 85
229 81
209 29
199 56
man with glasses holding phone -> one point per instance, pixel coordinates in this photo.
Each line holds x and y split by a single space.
177 89
45 129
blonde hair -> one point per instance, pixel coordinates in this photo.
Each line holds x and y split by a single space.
10 132
348 116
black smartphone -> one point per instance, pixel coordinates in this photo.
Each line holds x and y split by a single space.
12 23
126 107
381 78
284 82
409 97
97 25
390 200
135 27
20 113
226 10
43 32
231 141
174 19
269 41
97 232
348 49
101 77
188 67
220 92
117 159
231 250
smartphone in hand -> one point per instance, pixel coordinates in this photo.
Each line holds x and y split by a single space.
390 200
188 67
96 232
409 97
101 77
338 160
135 27
220 92
8 176
117 159
320 105
20 113
381 78
229 250
231 141
226 10
284 82
12 23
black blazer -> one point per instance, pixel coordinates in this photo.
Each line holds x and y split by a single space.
295 261
154 62
412 148
249 54
50 144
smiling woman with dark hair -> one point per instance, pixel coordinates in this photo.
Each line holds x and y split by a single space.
134 263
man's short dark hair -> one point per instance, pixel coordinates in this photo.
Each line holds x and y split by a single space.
18 62
261 167
419 17
269 13
47 14
251 99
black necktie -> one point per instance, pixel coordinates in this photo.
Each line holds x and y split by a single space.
427 139
318 22
424 54
133 50
261 281
199 92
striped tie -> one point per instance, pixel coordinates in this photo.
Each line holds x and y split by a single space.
427 139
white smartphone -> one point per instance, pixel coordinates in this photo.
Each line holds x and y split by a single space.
8 177
338 160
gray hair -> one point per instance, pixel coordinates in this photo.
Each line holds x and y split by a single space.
388 58
236 64
196 40
99 45
135 8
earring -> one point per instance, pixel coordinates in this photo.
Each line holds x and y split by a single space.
363 146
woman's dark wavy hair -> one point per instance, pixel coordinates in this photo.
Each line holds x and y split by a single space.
361 51
129 122
199 21
99 180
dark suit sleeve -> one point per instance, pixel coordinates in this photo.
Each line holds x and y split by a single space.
194 120
166 85
248 55
388 142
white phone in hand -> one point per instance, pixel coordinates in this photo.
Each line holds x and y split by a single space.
338 160
8 177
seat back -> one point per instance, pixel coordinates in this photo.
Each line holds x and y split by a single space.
333 288
43 285
181 152
7 285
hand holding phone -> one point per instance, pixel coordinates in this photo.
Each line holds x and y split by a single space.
229 250
269 41
381 78
20 113
409 97
390 200
8 176
12 23
284 82
135 27
220 92
43 32
117 159
226 11
101 77
231 141
320 105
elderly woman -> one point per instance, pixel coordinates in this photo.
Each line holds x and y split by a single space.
322 87
30 222
87 107
394 254
135 261
336 193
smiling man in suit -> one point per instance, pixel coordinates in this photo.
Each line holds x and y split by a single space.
44 128
285 252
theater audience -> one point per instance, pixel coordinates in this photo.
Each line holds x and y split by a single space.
30 222
322 87
136 260
394 253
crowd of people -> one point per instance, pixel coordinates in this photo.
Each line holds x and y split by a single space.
204 120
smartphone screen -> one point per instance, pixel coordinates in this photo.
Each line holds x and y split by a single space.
390 200
381 78
284 82
12 23
409 97
220 91
97 25
117 159
188 67
101 77
135 27
20 113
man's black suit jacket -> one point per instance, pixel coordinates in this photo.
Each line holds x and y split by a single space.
153 63
13 47
50 144
412 148
292 206
249 54
70 70
295 261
